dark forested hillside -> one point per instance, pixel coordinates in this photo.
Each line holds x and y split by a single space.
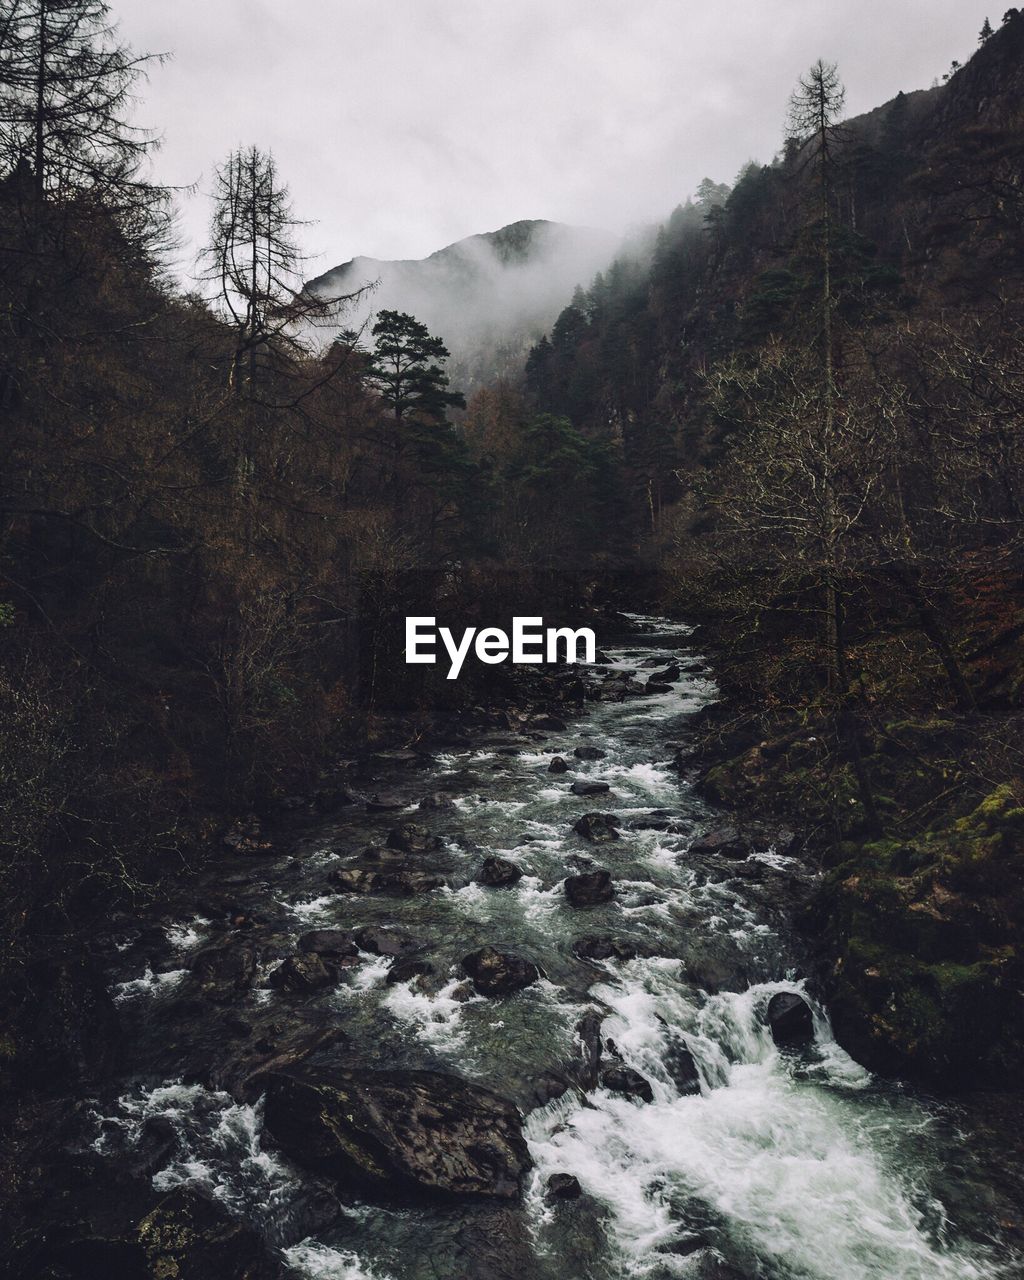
814 394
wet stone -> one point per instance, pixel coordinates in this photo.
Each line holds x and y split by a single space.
329 942
499 973
589 889
604 948
563 1186
384 940
499 873
630 1083
581 788
790 1019
597 827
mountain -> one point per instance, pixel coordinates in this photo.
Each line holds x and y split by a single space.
490 296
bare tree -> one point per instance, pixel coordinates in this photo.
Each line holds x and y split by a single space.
66 92
255 265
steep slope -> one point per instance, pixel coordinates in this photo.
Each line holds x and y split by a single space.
489 296
844 502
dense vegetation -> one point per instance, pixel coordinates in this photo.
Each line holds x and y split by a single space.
212 525
815 390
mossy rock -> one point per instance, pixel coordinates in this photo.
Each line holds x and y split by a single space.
187 1237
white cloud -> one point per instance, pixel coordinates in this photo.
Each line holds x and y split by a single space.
402 125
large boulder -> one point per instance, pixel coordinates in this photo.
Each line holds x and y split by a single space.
598 828
499 873
384 803
241 1072
790 1019
558 765
400 1134
589 889
499 973
563 1186
436 800
408 969
665 675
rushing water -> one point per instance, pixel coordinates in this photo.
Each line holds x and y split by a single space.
800 1166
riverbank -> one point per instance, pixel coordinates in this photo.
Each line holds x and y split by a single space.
916 925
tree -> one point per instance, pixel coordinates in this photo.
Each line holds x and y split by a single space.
986 32
406 368
255 265
66 87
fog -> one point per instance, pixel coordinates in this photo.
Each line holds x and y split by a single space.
489 297
405 125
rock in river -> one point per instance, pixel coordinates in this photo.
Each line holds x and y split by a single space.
304 973
790 1019
384 940
589 753
329 942
558 765
498 973
400 1134
589 889
499 873
398 882
410 837
227 970
630 1083
604 948
589 788
597 827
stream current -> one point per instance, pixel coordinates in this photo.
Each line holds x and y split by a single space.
791 1165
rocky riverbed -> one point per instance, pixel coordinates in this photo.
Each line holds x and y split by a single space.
524 1007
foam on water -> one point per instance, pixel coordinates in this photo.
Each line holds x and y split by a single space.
188 934
773 1169
437 1019
315 1261
218 1147
150 984
313 910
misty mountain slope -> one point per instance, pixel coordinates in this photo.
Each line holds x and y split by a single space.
489 296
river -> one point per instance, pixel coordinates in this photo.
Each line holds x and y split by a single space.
791 1164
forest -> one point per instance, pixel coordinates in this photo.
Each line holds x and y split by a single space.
796 421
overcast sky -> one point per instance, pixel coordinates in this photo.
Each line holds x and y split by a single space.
402 125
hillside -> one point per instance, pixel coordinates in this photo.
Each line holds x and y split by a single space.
815 393
489 297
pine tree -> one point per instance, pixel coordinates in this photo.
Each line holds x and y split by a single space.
986 32
406 368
